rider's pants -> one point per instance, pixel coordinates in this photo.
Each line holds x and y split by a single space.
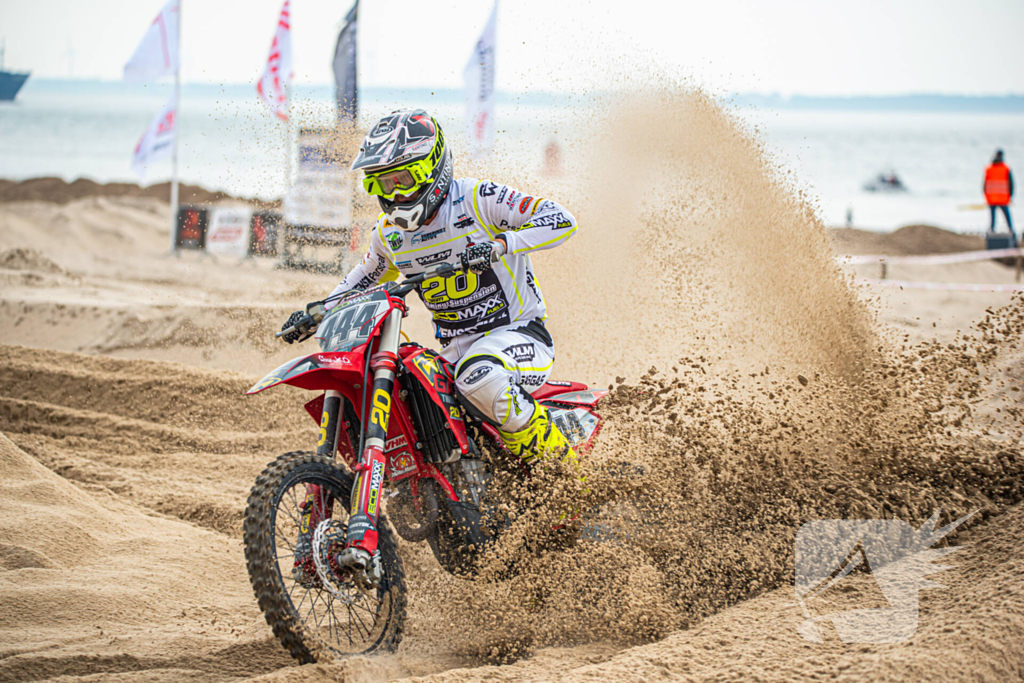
496 371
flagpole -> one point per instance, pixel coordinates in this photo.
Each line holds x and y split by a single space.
177 134
288 139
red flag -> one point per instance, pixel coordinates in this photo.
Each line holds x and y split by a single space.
277 77
158 140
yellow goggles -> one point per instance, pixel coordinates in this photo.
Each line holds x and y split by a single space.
404 179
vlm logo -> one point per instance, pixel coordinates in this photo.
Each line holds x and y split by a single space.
897 557
434 258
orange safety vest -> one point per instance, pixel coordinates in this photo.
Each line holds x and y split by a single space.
997 184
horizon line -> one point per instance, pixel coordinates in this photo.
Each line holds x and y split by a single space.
773 95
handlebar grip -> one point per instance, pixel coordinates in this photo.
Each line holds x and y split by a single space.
307 324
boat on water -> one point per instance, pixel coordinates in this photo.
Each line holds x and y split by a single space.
10 84
10 81
885 182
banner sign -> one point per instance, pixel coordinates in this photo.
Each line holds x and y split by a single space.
322 193
158 140
346 93
157 54
479 79
192 221
228 233
264 228
277 77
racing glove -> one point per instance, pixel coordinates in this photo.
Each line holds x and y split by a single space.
490 252
301 331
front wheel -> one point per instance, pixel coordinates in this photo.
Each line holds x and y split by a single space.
295 522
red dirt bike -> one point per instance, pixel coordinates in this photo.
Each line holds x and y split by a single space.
390 414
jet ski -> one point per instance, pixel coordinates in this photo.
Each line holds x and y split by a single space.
885 182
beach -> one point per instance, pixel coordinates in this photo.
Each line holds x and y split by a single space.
128 450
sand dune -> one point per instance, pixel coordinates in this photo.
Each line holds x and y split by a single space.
95 585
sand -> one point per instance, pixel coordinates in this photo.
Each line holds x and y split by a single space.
59 191
778 393
909 240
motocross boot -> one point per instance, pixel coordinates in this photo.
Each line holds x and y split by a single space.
540 440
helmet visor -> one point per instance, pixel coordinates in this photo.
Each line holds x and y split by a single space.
404 179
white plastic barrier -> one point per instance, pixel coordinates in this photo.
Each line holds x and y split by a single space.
228 234
931 259
934 259
947 286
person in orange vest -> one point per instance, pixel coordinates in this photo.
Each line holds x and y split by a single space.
998 191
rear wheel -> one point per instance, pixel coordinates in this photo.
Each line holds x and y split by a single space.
313 609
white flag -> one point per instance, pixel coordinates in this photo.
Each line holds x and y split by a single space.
158 140
479 77
157 54
273 85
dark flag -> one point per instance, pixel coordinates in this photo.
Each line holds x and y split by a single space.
345 92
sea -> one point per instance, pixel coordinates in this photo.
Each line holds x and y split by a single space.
938 147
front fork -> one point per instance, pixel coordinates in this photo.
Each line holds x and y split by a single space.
318 503
361 542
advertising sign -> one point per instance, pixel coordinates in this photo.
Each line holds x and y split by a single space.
228 233
322 193
192 222
264 229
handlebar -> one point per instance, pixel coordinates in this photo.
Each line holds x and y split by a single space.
316 310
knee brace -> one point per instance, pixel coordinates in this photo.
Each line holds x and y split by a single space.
488 388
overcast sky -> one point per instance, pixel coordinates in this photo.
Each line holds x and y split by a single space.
813 47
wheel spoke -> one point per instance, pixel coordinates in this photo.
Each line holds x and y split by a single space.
338 629
330 618
318 597
312 610
348 630
360 605
303 601
287 543
353 625
298 508
356 615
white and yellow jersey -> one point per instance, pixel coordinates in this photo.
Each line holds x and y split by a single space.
475 211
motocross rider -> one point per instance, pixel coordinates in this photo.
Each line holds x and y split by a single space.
489 319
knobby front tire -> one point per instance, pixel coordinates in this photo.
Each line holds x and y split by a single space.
312 623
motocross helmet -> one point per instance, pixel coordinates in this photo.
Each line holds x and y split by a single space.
407 166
